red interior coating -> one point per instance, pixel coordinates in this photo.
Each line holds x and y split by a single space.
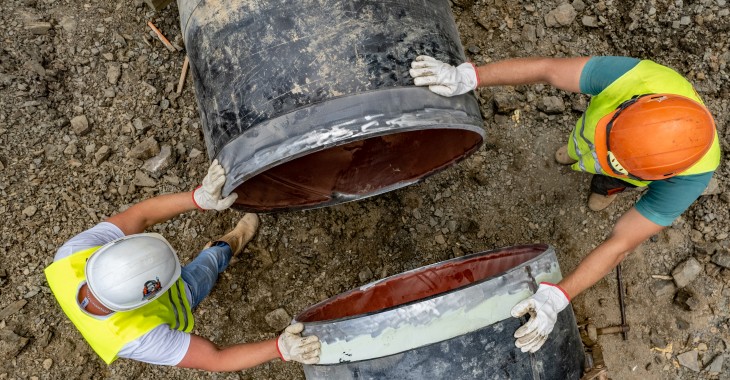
358 168
421 283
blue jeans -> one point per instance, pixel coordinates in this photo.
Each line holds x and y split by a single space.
202 273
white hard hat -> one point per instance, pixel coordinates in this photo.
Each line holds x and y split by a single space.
131 271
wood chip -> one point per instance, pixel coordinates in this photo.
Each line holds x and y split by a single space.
162 37
183 75
666 350
662 277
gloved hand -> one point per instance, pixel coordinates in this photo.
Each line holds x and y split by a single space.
442 78
208 195
292 346
543 307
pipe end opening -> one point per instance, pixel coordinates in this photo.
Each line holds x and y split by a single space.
355 170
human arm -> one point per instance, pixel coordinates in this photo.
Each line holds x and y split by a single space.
447 80
630 230
658 207
562 73
204 354
152 211
290 345
147 213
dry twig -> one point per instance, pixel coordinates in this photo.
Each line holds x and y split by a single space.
183 75
161 36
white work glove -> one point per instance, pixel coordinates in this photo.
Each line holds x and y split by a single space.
442 78
292 346
208 195
543 307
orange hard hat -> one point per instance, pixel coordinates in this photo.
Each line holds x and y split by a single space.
653 137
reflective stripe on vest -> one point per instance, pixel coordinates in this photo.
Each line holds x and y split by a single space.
646 77
108 335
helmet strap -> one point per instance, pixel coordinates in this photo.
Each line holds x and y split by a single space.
616 166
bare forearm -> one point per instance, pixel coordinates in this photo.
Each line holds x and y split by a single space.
205 355
242 356
631 230
594 267
563 73
165 207
152 211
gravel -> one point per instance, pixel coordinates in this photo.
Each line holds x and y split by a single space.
89 112
686 271
278 319
689 360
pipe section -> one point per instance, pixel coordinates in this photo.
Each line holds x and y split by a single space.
309 103
451 318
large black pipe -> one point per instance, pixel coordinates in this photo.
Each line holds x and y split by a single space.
449 320
309 103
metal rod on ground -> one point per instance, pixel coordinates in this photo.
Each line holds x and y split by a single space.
183 75
621 299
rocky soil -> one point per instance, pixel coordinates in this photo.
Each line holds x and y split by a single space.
90 123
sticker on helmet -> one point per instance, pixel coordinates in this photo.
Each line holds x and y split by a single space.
151 288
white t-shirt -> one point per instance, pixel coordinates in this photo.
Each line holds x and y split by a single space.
162 345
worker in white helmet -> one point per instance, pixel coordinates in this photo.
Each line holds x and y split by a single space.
127 294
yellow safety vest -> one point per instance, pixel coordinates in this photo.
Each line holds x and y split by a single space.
107 335
646 77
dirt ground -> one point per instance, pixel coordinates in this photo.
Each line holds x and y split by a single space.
61 59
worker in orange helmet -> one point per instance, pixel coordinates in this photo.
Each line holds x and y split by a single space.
645 126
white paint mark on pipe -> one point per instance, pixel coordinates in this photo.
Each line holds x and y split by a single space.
414 330
368 125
